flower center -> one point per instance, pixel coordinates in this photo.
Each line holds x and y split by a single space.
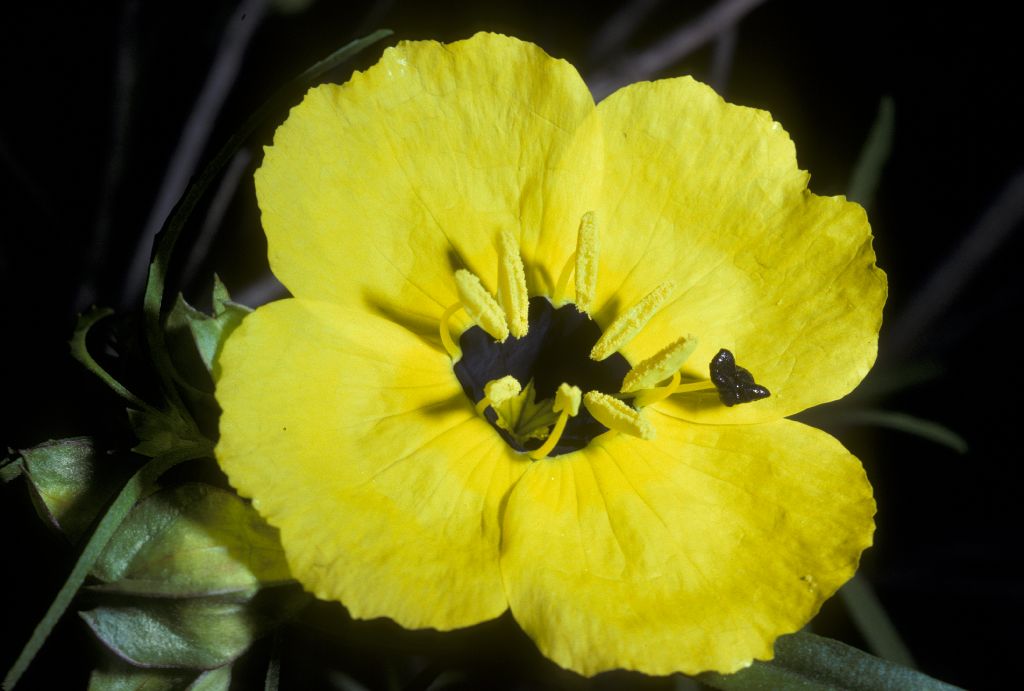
530 386
554 351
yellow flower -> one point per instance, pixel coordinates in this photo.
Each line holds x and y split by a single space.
490 272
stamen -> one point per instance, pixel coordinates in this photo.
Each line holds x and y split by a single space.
627 325
512 292
480 305
659 366
454 352
586 262
690 387
563 279
649 396
616 415
568 398
567 402
497 391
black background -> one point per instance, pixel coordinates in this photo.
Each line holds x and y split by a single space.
94 100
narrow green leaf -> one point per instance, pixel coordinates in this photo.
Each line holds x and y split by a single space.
70 484
140 484
190 541
874 624
809 663
926 429
80 351
867 173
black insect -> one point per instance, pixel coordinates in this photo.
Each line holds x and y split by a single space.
734 384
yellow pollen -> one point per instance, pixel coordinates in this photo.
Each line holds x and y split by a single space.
616 415
586 262
512 293
497 391
627 325
480 305
659 366
567 402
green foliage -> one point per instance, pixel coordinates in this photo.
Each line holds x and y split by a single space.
191 634
193 540
122 677
185 568
811 663
69 483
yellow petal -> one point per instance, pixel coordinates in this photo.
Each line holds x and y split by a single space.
689 553
354 438
376 190
709 194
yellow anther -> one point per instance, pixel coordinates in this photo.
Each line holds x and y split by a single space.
446 335
500 390
627 325
497 391
586 262
480 305
659 366
567 402
512 293
568 397
616 415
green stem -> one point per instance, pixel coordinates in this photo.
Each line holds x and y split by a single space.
140 484
168 236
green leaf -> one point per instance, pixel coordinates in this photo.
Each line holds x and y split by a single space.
193 540
160 432
194 634
10 469
69 483
207 333
212 680
122 677
867 173
808 662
